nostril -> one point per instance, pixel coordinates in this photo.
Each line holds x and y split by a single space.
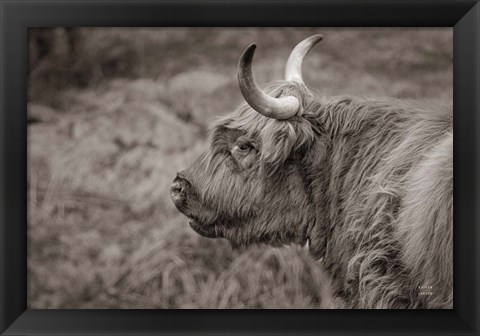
177 188
178 193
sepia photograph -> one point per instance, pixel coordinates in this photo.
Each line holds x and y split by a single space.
240 168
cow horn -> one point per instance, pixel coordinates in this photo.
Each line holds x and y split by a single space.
293 70
278 108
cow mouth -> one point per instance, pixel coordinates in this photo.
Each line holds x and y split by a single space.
204 230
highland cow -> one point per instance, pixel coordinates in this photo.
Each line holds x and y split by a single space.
366 182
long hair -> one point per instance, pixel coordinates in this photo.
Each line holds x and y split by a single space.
387 201
379 172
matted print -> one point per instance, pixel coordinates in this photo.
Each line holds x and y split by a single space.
240 168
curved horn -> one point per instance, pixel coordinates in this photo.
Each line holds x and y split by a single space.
293 70
278 108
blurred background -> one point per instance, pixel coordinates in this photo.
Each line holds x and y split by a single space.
114 113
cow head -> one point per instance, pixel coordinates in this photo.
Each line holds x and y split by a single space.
249 186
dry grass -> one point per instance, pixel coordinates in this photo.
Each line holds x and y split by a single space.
103 232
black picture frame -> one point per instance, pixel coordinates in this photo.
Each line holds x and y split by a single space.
17 15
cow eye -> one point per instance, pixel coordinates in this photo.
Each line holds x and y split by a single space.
244 146
242 149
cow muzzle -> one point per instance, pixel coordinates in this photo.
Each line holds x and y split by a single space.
178 193
186 200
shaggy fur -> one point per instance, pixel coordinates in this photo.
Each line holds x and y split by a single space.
368 182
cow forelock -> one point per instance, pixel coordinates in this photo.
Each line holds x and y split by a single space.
278 138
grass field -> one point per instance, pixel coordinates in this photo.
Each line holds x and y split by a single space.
111 127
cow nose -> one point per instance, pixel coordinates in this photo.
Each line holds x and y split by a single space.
178 192
178 186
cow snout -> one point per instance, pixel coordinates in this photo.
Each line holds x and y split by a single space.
178 192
